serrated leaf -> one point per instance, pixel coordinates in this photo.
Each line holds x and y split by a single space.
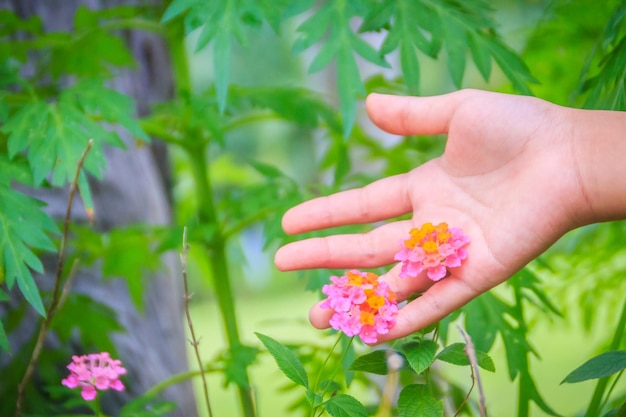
313 29
366 51
221 63
97 322
378 16
512 66
23 227
455 44
179 7
343 405
603 365
480 56
420 355
324 56
286 360
416 401
349 85
238 359
374 362
455 354
314 399
56 142
110 105
410 67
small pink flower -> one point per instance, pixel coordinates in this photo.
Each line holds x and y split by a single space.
363 305
434 249
96 371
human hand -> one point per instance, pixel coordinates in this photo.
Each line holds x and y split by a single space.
509 177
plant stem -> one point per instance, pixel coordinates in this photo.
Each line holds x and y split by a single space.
178 378
596 400
57 293
470 351
219 266
194 340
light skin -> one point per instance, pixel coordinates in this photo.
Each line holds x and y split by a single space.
517 173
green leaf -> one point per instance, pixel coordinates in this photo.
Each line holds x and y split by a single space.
179 7
603 365
313 29
315 400
455 43
410 67
349 85
97 322
374 362
54 137
366 51
480 55
286 360
455 354
23 228
343 405
378 16
96 100
128 253
4 341
221 63
416 401
238 359
420 355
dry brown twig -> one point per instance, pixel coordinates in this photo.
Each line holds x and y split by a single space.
58 295
194 341
470 351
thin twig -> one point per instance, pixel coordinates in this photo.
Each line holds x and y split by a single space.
194 341
470 351
56 301
469 392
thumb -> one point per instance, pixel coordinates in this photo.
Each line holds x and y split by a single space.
404 115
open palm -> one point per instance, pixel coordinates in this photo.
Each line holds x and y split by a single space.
508 178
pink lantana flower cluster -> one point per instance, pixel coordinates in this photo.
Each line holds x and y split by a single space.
363 305
96 371
434 249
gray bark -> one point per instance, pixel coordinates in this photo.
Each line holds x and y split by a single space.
134 190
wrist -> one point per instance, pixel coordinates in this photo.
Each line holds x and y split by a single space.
599 148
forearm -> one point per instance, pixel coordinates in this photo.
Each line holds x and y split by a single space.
599 146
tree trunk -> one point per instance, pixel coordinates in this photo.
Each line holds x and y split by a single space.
134 190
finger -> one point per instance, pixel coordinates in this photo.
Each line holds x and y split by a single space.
436 303
403 115
379 200
368 250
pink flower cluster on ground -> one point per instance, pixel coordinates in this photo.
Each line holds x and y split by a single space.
363 305
96 371
433 248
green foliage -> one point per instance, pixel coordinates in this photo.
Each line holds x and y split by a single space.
603 365
23 229
374 362
420 355
455 354
52 105
415 400
286 360
343 405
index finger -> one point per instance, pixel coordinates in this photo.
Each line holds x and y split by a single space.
380 200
